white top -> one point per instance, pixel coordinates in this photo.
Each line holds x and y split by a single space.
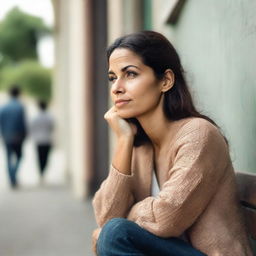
41 128
154 192
154 187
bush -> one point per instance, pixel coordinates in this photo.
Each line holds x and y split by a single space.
34 79
20 33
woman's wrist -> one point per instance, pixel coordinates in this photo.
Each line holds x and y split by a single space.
126 139
123 154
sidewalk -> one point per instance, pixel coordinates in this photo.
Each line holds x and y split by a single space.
42 220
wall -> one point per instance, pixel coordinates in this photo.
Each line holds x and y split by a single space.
216 41
70 90
99 91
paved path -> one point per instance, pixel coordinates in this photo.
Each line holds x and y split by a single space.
42 220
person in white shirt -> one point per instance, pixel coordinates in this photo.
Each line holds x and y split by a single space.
41 130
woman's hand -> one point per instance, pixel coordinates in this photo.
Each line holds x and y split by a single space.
120 126
125 132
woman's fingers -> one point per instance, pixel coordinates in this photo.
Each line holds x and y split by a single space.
110 113
119 125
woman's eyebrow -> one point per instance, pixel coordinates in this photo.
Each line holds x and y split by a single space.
129 66
110 72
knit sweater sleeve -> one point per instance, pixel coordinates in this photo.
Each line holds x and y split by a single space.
114 198
199 164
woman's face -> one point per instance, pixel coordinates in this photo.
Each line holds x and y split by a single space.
135 90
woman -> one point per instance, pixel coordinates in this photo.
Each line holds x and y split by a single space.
162 140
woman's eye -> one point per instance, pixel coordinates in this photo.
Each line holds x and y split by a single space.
131 74
111 78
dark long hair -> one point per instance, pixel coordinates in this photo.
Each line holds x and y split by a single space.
159 54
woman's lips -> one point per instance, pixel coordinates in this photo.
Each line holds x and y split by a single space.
120 103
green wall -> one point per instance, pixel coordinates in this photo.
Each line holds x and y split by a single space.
147 14
217 44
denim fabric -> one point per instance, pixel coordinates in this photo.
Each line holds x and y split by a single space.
12 122
121 237
13 161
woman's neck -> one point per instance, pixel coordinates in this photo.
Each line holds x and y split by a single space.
157 127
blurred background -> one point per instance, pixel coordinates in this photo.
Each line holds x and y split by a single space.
54 50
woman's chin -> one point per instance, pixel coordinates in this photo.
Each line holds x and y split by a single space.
125 114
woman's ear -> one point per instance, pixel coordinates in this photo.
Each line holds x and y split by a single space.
168 80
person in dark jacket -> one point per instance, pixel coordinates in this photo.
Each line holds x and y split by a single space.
13 129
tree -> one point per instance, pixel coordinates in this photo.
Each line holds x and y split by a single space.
32 78
19 33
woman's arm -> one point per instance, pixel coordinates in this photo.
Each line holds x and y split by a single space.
123 155
114 198
199 166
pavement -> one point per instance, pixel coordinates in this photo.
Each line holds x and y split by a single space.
42 219
45 221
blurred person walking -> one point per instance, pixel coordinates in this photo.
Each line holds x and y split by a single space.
14 130
41 130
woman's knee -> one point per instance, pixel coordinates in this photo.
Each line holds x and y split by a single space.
115 227
114 230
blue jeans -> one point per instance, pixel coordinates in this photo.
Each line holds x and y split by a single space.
121 237
13 160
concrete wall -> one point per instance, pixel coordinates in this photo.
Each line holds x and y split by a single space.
61 75
81 91
99 91
70 89
216 41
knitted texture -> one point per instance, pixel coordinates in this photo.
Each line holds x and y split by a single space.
197 197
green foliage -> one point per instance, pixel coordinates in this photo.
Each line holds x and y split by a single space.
19 33
34 79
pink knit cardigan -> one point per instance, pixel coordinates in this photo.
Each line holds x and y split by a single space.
198 194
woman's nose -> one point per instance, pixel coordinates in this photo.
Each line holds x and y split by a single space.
118 87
